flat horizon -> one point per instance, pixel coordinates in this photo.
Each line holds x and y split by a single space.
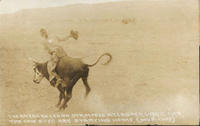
11 6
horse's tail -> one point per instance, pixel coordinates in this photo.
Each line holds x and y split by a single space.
105 54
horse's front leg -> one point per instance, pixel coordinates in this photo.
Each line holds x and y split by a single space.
67 98
68 89
61 95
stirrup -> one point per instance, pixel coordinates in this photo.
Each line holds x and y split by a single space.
58 82
53 82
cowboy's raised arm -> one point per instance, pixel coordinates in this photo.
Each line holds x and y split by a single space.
47 43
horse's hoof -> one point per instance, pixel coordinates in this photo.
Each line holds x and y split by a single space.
86 95
65 106
60 108
57 105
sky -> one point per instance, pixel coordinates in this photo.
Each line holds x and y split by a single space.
10 6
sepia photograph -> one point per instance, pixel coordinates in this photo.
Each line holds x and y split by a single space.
99 62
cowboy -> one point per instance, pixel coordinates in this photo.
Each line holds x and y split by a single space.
56 53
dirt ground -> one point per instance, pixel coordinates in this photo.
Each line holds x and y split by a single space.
154 66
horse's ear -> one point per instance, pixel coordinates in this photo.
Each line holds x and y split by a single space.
35 63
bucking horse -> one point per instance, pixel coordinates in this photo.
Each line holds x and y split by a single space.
70 70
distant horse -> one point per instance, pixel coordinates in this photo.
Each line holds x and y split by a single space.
70 70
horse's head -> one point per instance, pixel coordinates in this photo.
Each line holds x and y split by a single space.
38 71
38 74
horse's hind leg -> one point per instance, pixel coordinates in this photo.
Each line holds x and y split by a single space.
85 81
87 87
